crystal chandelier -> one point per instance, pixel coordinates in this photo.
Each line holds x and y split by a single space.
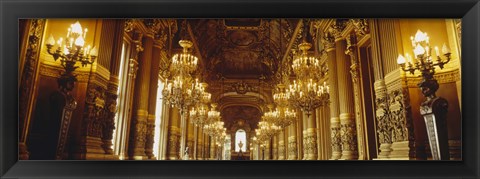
308 95
305 66
184 63
213 114
266 130
199 114
71 50
283 116
182 92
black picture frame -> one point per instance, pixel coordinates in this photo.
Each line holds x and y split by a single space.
11 11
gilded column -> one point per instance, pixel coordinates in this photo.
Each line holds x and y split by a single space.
292 142
347 119
112 88
304 135
328 42
174 135
190 140
27 81
281 145
199 147
299 137
164 129
311 137
381 102
212 148
354 71
152 99
142 91
275 148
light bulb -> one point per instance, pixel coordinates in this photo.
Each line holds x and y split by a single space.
445 49
94 51
401 60
77 28
51 40
419 50
79 42
420 36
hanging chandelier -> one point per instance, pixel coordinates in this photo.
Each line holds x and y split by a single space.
184 63
305 66
199 114
182 92
265 131
308 96
305 93
283 116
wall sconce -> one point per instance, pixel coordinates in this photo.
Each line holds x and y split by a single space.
433 108
71 50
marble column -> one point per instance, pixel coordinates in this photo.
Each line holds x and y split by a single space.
142 91
347 110
328 42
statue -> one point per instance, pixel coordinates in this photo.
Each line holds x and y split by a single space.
240 144
185 156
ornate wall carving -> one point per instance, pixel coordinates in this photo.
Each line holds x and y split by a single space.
399 109
27 80
94 113
336 139
110 112
292 148
348 137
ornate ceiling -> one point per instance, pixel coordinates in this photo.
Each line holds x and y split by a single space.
241 48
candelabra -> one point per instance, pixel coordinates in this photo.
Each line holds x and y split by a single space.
71 51
433 108
308 95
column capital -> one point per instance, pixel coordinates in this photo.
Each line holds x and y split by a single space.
361 26
328 41
337 27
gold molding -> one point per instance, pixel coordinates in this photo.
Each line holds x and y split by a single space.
442 78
